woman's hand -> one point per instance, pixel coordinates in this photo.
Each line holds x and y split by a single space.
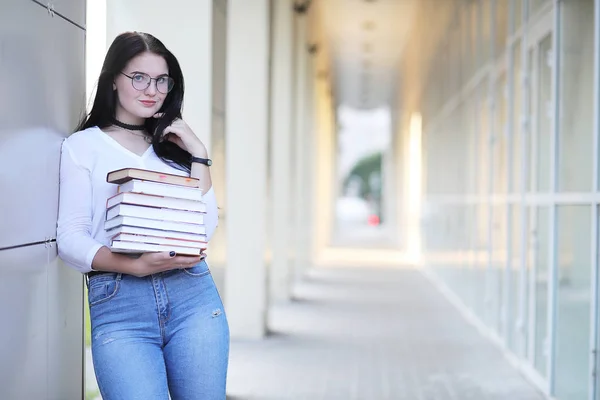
152 263
182 135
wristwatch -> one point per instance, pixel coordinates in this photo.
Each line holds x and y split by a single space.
205 161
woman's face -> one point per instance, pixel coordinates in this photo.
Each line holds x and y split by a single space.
136 104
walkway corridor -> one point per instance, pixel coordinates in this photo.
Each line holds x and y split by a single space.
371 334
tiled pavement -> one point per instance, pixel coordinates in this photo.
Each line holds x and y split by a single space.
371 334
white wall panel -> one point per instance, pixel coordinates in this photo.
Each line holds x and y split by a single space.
43 96
64 308
29 182
74 10
24 328
41 336
42 68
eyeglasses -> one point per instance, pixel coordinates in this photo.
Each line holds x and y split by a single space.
141 81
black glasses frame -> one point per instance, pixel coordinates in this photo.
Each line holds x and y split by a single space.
170 86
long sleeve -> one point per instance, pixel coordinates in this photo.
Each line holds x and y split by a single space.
76 246
211 219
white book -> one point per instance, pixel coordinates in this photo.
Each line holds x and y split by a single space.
135 230
161 214
136 247
155 201
127 237
161 189
155 224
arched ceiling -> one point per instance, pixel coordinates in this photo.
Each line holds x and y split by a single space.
365 39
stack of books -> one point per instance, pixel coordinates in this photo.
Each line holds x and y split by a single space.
153 211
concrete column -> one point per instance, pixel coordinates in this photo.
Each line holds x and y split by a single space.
400 168
246 165
391 200
311 162
185 27
388 179
281 150
323 167
301 255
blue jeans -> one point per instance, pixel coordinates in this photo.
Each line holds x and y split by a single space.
164 334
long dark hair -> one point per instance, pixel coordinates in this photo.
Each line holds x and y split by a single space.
125 47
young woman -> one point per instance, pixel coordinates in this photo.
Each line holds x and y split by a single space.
158 324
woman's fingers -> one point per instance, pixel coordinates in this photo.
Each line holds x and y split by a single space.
176 130
168 129
187 261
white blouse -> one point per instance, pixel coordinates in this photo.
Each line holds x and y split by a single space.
86 158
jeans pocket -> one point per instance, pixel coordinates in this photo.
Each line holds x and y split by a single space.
103 288
197 270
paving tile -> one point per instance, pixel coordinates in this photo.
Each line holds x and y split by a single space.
371 334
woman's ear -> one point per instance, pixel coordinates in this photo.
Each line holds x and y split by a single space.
114 86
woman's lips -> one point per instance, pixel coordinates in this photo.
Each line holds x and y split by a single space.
148 103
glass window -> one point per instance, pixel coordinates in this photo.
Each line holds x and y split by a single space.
483 142
540 247
501 27
467 50
455 49
498 295
576 98
531 120
500 142
474 36
574 299
461 153
513 295
473 276
486 14
471 166
535 5
517 135
523 311
481 237
517 9
543 124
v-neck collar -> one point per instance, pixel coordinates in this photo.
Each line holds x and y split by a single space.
109 139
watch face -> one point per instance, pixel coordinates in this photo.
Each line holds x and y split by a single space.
209 162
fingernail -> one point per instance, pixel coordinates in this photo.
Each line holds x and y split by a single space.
172 254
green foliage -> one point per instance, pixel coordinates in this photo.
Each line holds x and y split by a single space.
362 170
92 394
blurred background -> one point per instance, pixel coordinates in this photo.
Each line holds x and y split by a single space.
408 191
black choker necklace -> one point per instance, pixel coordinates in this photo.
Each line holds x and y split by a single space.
127 126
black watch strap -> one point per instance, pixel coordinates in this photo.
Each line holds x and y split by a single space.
205 161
